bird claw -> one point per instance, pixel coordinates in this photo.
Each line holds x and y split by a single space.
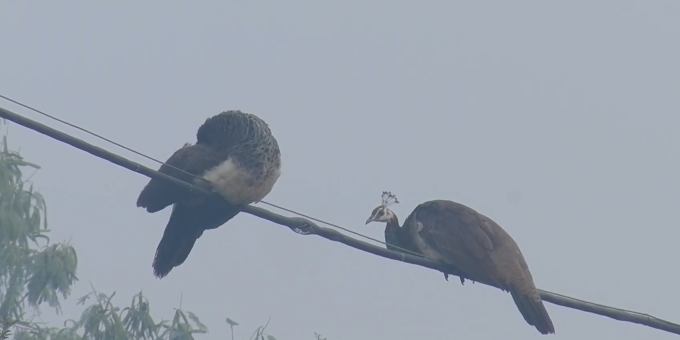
462 279
304 229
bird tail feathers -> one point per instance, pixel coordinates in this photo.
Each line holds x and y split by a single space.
532 309
178 239
185 226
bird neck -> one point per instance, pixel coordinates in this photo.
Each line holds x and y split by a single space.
393 233
394 223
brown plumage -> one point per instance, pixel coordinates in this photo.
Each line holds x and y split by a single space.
460 236
236 156
191 214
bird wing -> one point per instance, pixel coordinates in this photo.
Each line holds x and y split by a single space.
513 270
462 236
478 246
185 164
454 229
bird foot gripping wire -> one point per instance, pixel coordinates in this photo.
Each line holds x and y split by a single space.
462 279
304 227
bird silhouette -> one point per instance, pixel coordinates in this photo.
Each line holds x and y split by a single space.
459 236
235 156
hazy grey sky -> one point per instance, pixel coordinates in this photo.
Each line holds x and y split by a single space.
557 119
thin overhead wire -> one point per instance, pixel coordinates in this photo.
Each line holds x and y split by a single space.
192 175
307 227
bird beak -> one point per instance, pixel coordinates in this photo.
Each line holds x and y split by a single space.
369 220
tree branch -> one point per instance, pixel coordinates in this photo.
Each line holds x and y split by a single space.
304 226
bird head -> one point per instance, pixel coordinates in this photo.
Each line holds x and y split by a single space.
382 213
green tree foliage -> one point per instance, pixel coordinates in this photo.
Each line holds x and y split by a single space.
31 274
35 272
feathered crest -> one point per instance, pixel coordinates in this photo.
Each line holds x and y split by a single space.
388 199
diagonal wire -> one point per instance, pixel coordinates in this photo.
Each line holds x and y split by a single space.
88 132
194 176
336 226
331 234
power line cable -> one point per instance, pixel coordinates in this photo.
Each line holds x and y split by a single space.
194 176
305 226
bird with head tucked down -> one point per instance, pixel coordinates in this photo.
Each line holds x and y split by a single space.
236 156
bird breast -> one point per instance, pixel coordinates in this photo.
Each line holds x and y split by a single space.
239 185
